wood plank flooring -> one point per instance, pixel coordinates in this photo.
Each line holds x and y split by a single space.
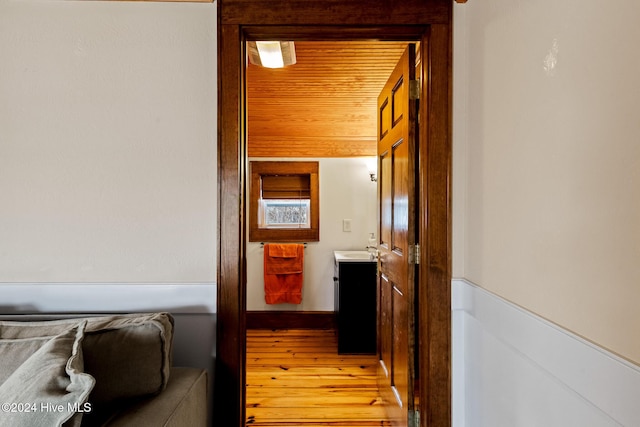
296 377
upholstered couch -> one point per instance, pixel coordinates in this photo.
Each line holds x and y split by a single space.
97 371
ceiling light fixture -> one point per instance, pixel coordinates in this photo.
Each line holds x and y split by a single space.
271 54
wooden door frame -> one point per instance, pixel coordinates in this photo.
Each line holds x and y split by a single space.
430 22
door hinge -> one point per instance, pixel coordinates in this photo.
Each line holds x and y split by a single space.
414 254
414 418
414 90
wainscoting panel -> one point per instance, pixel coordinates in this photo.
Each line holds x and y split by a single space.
107 297
512 368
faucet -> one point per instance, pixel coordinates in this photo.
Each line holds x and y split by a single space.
372 247
373 252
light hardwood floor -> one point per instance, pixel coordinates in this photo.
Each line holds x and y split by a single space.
297 378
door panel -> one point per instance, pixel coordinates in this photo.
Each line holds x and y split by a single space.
384 181
397 115
401 344
385 328
400 214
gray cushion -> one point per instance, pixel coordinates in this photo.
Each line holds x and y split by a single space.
14 352
50 386
129 355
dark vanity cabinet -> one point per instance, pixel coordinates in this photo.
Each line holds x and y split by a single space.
355 306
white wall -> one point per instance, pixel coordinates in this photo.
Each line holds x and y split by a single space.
546 201
108 163
346 192
107 142
547 161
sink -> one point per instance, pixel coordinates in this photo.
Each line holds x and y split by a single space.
354 256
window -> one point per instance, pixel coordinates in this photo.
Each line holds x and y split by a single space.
283 202
282 213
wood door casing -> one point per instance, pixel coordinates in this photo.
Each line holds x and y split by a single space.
397 116
431 23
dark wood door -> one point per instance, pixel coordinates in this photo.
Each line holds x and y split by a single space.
397 120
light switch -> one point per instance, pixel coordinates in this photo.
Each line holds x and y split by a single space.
346 225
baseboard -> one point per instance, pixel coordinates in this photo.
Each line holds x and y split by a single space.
290 319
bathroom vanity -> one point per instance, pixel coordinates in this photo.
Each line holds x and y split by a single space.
355 301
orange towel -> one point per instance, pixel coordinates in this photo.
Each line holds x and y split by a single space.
282 250
283 258
283 273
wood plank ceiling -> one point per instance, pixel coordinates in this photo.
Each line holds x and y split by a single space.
322 106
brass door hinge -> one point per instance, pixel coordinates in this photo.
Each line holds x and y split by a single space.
414 254
414 90
414 418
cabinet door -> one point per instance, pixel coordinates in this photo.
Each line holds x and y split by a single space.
357 308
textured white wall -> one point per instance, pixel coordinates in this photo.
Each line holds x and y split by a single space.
346 192
107 142
547 122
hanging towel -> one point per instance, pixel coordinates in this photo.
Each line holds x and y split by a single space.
282 250
283 265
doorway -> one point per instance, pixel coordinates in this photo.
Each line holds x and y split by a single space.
322 108
431 26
